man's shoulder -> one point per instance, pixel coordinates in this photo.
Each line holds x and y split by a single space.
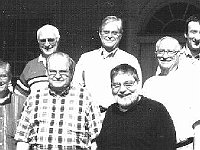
122 52
90 53
152 80
151 104
32 62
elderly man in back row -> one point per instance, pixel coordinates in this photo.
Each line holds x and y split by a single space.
34 74
59 117
177 88
93 68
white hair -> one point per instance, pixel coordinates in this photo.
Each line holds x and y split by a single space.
48 28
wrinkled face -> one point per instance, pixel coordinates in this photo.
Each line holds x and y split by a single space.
193 35
110 36
4 79
47 42
167 54
124 89
58 72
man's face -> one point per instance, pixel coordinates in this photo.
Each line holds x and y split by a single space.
4 79
47 42
58 72
193 35
110 36
124 89
167 54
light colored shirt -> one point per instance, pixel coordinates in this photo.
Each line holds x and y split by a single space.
93 72
179 92
67 121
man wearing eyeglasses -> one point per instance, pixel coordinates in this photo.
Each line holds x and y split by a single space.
134 122
176 86
59 117
93 68
34 73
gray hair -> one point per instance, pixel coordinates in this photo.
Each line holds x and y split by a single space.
109 19
48 28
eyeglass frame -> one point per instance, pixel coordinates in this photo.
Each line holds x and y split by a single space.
62 73
169 52
117 85
113 33
54 40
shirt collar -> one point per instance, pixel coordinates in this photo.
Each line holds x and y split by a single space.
62 94
42 59
189 54
106 54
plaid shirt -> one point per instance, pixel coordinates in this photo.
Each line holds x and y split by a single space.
50 121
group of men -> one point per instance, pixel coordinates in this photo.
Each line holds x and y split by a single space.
99 103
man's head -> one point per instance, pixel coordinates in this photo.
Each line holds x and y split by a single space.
48 37
60 69
124 83
5 75
167 53
192 33
110 32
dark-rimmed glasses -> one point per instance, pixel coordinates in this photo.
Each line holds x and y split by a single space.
169 52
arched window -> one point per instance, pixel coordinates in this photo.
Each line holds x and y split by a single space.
170 19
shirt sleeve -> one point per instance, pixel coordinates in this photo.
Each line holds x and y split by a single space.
94 119
166 134
24 125
22 87
78 77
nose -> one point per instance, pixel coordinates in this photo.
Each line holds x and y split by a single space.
165 55
122 89
57 76
46 43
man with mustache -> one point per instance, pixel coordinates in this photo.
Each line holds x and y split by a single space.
34 73
59 117
93 68
176 87
134 122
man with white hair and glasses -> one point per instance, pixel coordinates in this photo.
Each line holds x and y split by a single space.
34 73
175 87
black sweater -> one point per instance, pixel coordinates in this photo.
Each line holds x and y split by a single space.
145 126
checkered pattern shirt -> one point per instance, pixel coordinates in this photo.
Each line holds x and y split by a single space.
56 122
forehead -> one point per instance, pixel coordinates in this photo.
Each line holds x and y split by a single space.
193 25
123 77
110 26
46 34
58 63
168 44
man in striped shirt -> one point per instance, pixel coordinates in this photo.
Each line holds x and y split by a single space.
34 73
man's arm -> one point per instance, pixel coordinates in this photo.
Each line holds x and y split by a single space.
22 146
79 74
197 135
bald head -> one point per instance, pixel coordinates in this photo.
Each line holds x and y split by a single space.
168 43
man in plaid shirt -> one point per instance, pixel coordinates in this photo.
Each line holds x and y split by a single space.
59 117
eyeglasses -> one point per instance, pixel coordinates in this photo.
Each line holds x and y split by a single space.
169 52
128 85
113 33
50 40
62 73
3 76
